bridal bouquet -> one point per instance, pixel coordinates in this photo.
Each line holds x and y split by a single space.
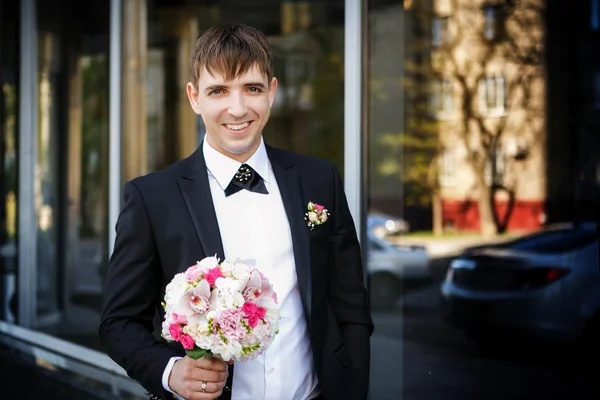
225 310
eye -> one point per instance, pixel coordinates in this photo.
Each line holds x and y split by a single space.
254 89
216 91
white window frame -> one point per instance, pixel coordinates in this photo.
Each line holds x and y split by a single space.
442 98
440 31
498 108
447 165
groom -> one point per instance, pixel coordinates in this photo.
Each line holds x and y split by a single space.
199 207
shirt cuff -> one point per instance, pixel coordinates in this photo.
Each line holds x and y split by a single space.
167 373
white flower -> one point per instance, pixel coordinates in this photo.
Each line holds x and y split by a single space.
175 289
208 263
231 350
313 217
230 301
227 286
241 272
227 268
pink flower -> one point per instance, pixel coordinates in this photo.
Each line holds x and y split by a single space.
323 217
193 273
274 297
212 275
229 323
261 312
253 321
175 330
195 300
179 319
319 207
249 308
187 342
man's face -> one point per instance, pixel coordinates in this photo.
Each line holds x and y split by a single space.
234 112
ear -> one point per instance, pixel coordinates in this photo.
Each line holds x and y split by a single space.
272 90
193 97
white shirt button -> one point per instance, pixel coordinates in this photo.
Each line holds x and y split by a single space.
271 370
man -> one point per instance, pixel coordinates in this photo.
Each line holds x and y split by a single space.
196 208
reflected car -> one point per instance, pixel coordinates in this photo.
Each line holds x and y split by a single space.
393 269
545 285
386 225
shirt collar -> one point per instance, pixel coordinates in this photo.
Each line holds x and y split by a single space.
223 168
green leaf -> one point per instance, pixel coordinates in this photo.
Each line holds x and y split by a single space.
197 352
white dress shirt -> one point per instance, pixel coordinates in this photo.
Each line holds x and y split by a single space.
254 227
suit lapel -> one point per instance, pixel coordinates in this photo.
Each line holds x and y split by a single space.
198 199
290 188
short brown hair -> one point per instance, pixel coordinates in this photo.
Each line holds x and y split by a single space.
231 50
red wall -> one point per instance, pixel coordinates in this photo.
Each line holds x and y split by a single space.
464 215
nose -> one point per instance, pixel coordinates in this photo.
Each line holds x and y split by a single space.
237 107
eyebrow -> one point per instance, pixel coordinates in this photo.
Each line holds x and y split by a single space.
246 85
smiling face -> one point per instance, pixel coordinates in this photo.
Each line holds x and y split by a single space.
234 111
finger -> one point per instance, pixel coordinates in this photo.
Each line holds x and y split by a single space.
213 363
203 363
218 365
209 375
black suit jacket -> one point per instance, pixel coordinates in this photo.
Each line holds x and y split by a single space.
168 223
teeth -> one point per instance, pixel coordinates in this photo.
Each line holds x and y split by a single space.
238 127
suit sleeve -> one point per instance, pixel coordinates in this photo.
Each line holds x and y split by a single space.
131 296
347 292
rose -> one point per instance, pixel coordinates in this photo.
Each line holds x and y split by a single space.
179 319
319 207
313 217
193 273
212 275
175 330
253 321
261 312
323 217
187 342
249 308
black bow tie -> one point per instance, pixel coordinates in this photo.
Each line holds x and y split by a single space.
246 178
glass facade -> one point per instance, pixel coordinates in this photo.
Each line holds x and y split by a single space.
71 170
481 154
9 78
482 199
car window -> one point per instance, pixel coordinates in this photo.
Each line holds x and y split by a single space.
557 241
373 245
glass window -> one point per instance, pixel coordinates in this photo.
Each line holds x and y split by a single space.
9 63
494 22
442 98
519 156
308 45
441 35
72 165
492 95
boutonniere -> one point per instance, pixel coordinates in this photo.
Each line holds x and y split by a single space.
316 215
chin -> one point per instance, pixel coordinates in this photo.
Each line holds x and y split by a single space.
241 147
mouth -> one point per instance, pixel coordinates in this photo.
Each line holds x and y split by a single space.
238 128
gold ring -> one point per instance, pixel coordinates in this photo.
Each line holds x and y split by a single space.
204 386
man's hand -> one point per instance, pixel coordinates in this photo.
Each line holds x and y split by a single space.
188 375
